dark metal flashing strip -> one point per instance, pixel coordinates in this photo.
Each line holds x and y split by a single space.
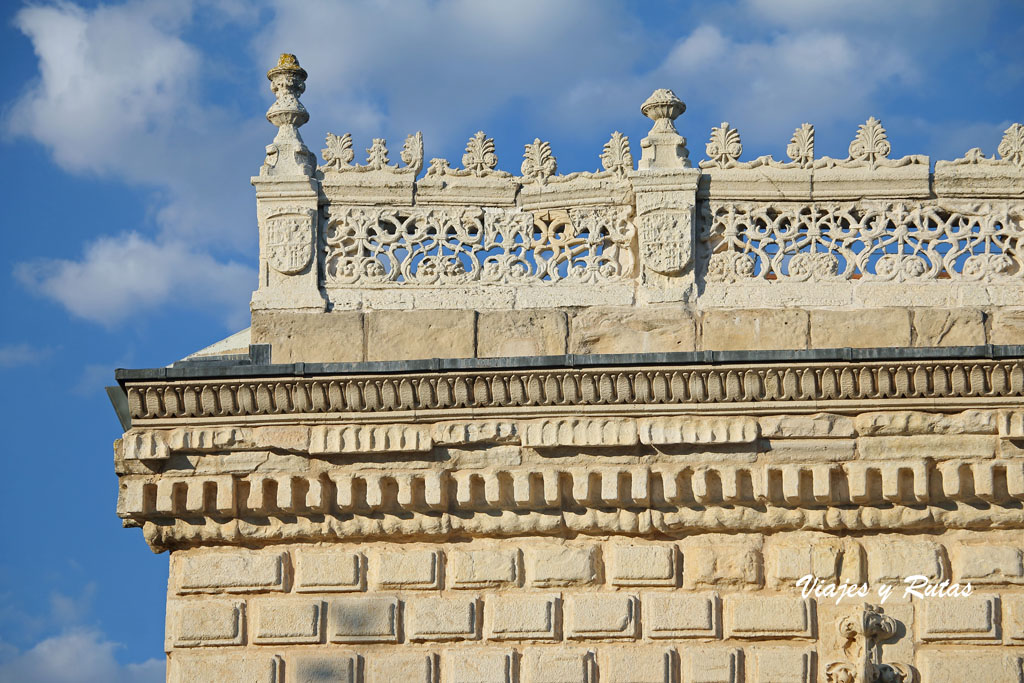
258 363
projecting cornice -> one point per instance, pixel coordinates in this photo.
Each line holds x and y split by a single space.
651 383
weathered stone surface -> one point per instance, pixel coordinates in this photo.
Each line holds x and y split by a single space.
1007 326
806 426
494 568
435 618
956 327
335 337
731 330
207 623
408 335
552 566
232 572
470 665
688 615
287 621
860 329
524 617
974 618
521 333
627 330
597 616
327 571
365 619
755 616
642 565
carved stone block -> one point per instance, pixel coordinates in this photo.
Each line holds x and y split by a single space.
408 569
329 571
286 621
236 571
437 618
368 619
524 617
554 566
599 616
681 615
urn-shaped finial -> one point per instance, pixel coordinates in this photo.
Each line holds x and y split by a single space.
663 105
287 155
663 147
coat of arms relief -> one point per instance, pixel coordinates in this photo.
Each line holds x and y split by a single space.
289 238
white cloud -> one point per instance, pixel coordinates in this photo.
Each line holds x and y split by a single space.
445 66
119 277
767 86
76 656
121 94
12 355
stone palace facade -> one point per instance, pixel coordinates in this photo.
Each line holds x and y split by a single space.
601 426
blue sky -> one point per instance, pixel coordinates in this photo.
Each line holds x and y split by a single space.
129 132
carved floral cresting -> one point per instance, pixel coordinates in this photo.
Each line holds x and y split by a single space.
616 157
1011 148
864 635
538 162
885 241
801 146
479 161
724 148
374 246
338 155
870 149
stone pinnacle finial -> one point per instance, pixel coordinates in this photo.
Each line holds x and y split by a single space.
288 154
663 147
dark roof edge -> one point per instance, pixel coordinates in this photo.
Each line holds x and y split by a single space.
257 363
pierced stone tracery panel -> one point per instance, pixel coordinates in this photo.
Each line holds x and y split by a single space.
387 247
842 241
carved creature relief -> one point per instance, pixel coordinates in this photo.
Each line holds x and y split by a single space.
665 241
289 239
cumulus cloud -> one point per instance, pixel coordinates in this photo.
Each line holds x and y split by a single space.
77 656
120 95
119 276
445 66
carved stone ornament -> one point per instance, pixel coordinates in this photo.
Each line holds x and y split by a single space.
338 155
870 148
801 146
1011 148
289 239
864 634
288 154
663 147
538 162
666 241
616 157
724 148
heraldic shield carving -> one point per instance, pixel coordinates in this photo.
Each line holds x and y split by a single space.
289 239
665 241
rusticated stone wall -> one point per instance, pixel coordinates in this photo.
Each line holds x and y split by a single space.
625 426
710 608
